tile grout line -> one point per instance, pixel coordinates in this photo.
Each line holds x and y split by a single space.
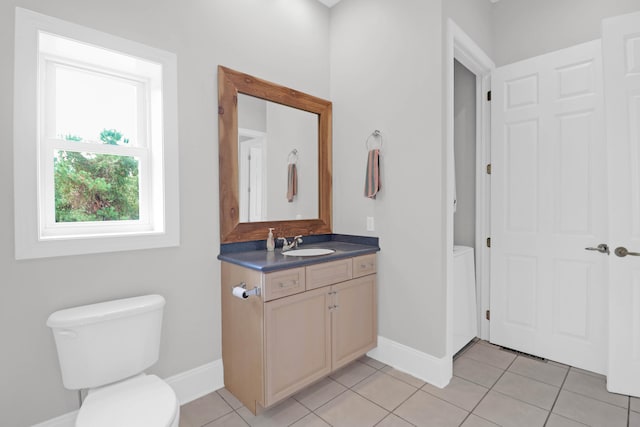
389 412
596 398
342 392
325 403
374 369
564 380
488 390
395 415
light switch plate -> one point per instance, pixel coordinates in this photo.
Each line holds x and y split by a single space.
370 224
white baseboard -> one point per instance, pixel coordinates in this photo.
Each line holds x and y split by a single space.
188 385
197 382
421 365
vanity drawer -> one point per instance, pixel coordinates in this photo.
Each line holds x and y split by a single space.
283 283
328 273
364 265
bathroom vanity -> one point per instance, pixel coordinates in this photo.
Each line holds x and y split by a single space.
303 317
309 317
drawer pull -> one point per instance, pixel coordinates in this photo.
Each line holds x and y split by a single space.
366 265
292 282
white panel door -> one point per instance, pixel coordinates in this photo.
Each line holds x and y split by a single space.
621 43
548 195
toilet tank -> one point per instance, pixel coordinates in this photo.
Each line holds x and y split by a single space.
106 342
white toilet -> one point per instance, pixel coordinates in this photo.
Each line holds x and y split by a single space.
105 348
465 321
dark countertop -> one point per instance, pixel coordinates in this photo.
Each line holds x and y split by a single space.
254 255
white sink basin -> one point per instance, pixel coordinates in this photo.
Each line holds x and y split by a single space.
309 252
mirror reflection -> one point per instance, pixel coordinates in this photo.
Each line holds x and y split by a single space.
277 161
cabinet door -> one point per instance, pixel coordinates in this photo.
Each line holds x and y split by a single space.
354 322
297 342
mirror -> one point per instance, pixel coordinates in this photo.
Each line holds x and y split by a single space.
281 127
271 138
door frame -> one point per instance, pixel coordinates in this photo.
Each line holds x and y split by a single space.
260 138
461 47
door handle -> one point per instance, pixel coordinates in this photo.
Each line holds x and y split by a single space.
621 251
603 248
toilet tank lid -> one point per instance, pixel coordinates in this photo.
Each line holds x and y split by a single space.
102 311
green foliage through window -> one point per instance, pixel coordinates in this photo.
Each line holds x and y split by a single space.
96 187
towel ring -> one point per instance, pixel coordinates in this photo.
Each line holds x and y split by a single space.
293 156
375 134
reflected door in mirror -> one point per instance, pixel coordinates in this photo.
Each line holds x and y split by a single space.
268 133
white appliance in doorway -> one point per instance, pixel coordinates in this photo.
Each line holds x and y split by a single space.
561 184
465 321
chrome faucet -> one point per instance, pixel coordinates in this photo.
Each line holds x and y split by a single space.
286 246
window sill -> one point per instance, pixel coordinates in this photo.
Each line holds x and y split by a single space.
80 245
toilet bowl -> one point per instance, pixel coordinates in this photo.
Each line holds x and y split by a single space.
143 401
105 348
465 322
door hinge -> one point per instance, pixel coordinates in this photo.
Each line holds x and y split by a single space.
488 242
489 96
487 314
489 169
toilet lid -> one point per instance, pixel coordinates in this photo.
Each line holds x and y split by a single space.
144 401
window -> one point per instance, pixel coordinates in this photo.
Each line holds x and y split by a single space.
95 141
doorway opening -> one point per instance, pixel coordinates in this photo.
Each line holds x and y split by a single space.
472 230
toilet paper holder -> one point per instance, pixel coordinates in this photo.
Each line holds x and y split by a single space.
235 290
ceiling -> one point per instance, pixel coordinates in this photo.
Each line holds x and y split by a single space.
331 3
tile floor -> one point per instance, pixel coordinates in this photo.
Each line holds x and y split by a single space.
490 387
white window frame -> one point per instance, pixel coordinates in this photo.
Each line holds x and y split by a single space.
36 232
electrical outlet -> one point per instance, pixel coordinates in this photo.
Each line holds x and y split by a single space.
370 224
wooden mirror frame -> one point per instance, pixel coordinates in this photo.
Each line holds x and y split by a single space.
230 83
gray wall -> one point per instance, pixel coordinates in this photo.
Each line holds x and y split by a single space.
464 108
474 17
272 40
386 73
525 28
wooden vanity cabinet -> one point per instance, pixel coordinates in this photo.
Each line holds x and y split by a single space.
297 343
354 319
273 346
